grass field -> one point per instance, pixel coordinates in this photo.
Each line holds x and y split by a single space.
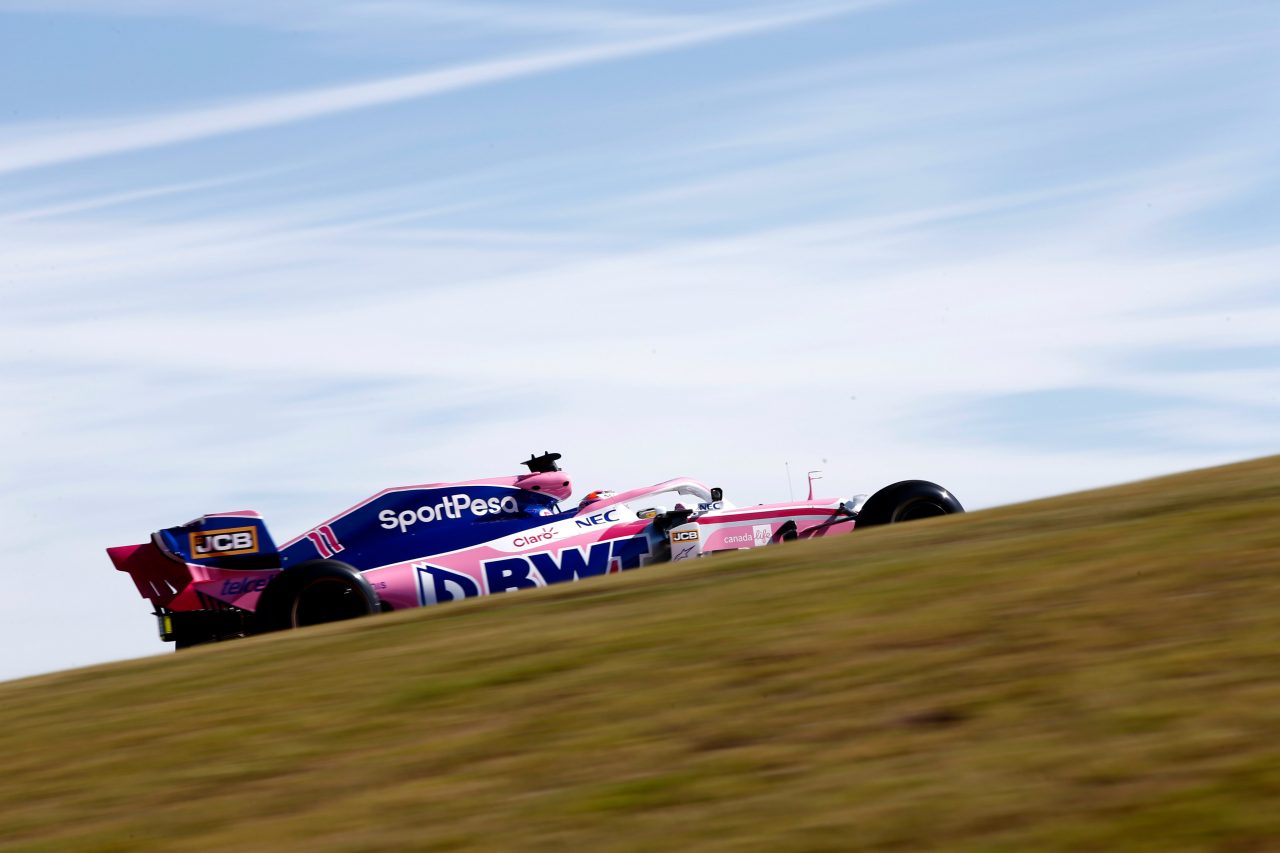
1098 671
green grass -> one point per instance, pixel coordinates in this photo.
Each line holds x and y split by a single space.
1093 672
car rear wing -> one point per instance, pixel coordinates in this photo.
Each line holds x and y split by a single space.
158 577
227 540
183 559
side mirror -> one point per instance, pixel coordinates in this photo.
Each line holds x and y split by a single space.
717 494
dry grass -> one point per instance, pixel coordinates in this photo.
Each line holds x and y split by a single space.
1099 671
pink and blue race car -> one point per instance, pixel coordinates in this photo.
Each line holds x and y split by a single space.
222 575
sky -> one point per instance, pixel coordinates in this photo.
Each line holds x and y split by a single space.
279 256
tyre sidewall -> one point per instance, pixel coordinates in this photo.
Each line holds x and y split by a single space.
277 606
891 503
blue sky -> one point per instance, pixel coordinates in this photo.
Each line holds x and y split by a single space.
281 255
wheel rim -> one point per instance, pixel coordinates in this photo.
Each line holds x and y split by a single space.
327 600
920 509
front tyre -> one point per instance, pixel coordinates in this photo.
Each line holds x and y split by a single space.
908 500
313 593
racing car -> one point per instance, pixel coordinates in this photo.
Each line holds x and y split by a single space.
222 575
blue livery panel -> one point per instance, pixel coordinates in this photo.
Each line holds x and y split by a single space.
227 542
414 523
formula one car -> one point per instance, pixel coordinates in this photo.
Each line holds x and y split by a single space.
222 576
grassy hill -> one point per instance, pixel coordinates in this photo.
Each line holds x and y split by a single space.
1098 671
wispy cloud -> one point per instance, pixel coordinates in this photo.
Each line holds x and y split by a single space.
105 138
89 204
593 20
309 15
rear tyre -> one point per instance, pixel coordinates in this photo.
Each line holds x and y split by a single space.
909 500
314 593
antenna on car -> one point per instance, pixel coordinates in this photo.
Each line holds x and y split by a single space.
811 479
544 464
791 492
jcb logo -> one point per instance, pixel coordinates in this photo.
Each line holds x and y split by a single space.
684 536
224 543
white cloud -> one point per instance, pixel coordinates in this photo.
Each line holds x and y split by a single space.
594 20
383 15
25 212
104 138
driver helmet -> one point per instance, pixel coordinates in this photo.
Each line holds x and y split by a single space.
597 495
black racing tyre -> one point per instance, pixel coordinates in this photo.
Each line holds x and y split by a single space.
908 500
313 593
